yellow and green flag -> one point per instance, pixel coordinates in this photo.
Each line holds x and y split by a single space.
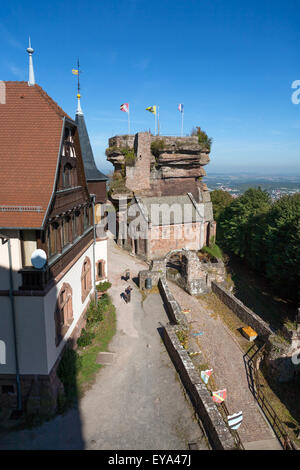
151 109
75 71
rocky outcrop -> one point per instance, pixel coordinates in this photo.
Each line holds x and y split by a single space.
162 165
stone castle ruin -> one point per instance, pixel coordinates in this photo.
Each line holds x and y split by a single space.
160 166
158 180
165 173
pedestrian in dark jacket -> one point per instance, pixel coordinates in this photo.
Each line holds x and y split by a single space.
128 293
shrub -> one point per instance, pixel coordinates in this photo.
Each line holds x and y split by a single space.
103 286
157 146
203 138
129 157
85 338
104 301
214 251
68 367
94 313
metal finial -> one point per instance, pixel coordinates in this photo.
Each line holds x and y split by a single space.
30 51
79 110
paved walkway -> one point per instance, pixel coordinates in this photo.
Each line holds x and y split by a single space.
225 357
137 402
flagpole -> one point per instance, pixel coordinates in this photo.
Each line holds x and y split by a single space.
157 120
128 120
182 122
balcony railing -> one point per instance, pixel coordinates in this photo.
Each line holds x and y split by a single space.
37 280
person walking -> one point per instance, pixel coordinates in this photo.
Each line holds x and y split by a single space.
128 293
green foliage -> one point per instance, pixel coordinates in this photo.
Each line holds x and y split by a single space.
213 250
103 286
67 370
157 146
85 338
235 220
129 156
203 138
183 337
266 236
78 368
95 312
104 332
220 199
282 242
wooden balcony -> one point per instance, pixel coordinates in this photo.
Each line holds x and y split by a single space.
37 280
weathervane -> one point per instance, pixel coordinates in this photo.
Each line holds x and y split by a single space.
78 72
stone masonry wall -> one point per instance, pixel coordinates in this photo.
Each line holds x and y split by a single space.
172 306
173 237
138 176
217 431
243 312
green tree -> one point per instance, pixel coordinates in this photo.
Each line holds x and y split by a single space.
220 199
236 221
282 241
203 138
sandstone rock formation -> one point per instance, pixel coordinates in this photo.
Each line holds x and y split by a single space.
159 165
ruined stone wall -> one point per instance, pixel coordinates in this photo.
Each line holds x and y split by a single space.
216 429
164 239
138 176
243 312
122 141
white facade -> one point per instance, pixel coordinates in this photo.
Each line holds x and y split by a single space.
35 314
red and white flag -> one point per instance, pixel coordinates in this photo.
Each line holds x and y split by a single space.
205 375
220 396
180 108
124 107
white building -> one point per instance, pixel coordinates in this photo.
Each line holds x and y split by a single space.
47 179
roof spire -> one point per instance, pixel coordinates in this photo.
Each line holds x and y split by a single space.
78 72
30 51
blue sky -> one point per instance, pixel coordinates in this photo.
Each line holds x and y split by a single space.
231 63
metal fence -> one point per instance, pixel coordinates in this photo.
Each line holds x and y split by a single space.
252 359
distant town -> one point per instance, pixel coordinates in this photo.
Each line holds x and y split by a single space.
276 186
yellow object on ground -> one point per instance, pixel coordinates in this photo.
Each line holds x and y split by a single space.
249 333
186 311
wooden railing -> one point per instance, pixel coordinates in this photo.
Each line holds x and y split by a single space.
252 359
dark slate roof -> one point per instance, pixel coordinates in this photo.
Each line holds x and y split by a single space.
91 171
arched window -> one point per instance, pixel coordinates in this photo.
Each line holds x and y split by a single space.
63 312
100 270
86 279
67 173
85 218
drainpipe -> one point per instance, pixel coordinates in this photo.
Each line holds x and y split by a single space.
94 244
12 300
